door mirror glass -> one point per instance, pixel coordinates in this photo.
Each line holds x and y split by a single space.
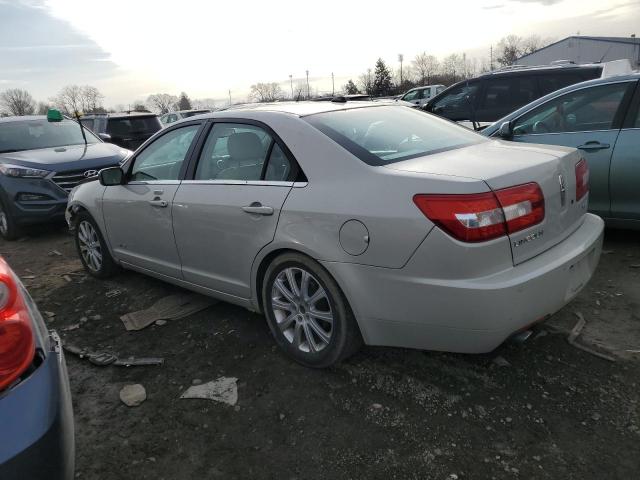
505 130
111 176
105 137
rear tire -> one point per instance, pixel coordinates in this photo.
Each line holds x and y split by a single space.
307 312
92 248
8 228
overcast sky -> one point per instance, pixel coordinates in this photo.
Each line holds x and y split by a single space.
132 48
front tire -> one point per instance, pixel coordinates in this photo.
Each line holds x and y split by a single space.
8 228
307 312
92 249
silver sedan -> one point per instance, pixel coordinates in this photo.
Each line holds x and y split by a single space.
347 223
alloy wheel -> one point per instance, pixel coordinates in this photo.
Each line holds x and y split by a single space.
302 310
90 247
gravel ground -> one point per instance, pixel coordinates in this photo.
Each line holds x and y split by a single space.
543 409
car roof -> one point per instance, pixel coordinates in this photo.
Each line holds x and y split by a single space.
26 118
120 115
299 109
515 69
576 86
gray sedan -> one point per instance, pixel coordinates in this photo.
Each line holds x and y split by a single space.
348 223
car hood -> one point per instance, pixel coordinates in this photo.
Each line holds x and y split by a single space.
73 157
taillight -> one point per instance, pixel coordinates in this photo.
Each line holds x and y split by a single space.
582 179
480 217
17 343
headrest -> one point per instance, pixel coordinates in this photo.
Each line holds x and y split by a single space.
245 146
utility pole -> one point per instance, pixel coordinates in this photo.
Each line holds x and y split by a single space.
491 58
308 95
229 97
333 85
369 86
400 59
291 81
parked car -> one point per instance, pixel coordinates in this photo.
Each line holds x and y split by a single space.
171 117
127 130
485 99
36 438
601 118
421 95
40 162
349 222
352 97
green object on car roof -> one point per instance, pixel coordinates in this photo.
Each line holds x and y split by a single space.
54 115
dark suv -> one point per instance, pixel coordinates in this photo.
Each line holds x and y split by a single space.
493 95
128 130
41 161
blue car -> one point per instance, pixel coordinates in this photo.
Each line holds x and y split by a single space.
601 118
36 417
41 159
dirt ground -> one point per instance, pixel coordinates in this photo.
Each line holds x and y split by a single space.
549 411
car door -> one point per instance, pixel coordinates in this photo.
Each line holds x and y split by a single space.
502 95
138 214
228 209
587 118
413 96
625 166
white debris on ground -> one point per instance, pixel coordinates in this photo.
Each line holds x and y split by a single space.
224 390
133 395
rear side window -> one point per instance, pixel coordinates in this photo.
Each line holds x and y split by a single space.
87 123
508 93
119 127
388 134
236 151
458 103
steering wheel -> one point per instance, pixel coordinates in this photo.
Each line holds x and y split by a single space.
540 127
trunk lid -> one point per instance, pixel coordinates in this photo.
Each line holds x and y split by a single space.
503 164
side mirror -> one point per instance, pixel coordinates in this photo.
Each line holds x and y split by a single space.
505 130
105 137
111 176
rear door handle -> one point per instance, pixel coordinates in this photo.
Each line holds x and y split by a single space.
258 209
593 146
159 203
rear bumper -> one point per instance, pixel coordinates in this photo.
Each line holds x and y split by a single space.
36 437
398 307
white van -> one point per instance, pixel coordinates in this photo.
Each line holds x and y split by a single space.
421 95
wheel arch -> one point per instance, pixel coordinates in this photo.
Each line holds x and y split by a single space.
264 259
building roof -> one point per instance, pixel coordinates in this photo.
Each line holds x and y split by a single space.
626 40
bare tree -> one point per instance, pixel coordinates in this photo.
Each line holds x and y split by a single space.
300 90
425 66
509 49
162 102
365 82
42 108
451 66
90 99
203 103
69 99
266 92
17 102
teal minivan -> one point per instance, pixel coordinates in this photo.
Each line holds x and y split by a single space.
601 118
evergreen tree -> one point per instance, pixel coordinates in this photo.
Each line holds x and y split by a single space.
382 79
350 88
183 102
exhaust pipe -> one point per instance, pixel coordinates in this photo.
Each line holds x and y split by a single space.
521 337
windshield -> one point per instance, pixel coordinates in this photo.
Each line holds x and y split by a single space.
383 135
35 134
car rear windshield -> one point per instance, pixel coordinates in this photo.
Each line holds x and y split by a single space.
383 135
133 126
34 134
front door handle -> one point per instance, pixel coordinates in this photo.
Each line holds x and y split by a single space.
258 209
159 203
593 145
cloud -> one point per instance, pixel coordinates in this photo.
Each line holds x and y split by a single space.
493 7
543 2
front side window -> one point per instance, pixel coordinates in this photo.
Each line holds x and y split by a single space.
234 151
458 103
34 134
410 96
163 158
583 110
388 134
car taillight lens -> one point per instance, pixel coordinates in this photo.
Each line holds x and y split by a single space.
17 343
480 217
582 179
